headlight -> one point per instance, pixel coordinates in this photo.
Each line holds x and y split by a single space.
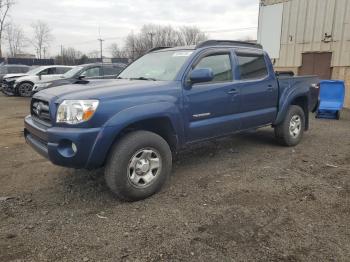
42 85
76 111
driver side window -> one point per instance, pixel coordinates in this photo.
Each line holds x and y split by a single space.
220 64
91 72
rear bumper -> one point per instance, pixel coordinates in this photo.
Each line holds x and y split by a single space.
70 147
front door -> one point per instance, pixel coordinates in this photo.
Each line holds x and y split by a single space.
210 107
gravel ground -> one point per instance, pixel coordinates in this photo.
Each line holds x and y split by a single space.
242 198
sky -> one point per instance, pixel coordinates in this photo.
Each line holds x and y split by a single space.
76 23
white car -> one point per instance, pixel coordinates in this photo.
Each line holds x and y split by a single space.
22 84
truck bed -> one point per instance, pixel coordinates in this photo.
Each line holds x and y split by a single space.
301 82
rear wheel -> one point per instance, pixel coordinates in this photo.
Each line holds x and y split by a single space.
291 130
138 165
25 89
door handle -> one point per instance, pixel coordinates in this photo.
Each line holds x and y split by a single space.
233 91
269 88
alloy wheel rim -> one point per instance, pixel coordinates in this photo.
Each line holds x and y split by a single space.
144 167
295 126
26 89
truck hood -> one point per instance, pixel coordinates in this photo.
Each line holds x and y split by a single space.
102 89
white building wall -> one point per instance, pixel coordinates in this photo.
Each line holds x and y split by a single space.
304 25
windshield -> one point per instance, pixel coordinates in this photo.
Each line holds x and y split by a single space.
73 72
35 70
157 66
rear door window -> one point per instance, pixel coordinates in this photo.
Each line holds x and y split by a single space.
14 70
3 70
62 70
251 66
52 71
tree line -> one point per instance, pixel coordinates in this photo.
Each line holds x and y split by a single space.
152 35
135 44
15 38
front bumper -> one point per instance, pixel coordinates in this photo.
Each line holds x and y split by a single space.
56 143
8 88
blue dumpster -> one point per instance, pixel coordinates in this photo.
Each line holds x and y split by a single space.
332 93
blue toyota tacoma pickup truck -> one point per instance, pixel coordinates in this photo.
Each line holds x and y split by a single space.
162 102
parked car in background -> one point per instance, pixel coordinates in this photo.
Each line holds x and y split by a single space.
164 101
22 84
83 72
13 69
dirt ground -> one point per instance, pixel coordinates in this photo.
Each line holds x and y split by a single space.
243 198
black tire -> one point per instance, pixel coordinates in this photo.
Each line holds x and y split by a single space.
118 164
282 131
25 89
338 115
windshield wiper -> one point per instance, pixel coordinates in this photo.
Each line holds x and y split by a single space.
143 78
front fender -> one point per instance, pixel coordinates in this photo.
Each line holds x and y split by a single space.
126 117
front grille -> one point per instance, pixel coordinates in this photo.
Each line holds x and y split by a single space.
40 111
8 85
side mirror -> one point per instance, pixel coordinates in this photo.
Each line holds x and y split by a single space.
81 77
201 75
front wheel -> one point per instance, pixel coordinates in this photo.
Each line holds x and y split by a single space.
25 89
290 131
138 165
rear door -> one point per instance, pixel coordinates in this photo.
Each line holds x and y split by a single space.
258 87
211 107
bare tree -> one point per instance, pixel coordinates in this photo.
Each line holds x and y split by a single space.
69 56
191 35
129 47
5 6
116 52
150 36
156 35
42 38
16 39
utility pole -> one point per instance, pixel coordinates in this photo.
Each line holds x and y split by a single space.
101 40
151 35
44 51
133 51
62 62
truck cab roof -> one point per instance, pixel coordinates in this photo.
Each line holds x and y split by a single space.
211 43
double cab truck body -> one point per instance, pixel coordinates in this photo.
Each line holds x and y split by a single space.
164 101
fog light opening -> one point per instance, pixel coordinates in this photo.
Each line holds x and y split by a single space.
67 148
74 148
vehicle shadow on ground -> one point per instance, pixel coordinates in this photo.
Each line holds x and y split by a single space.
90 185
